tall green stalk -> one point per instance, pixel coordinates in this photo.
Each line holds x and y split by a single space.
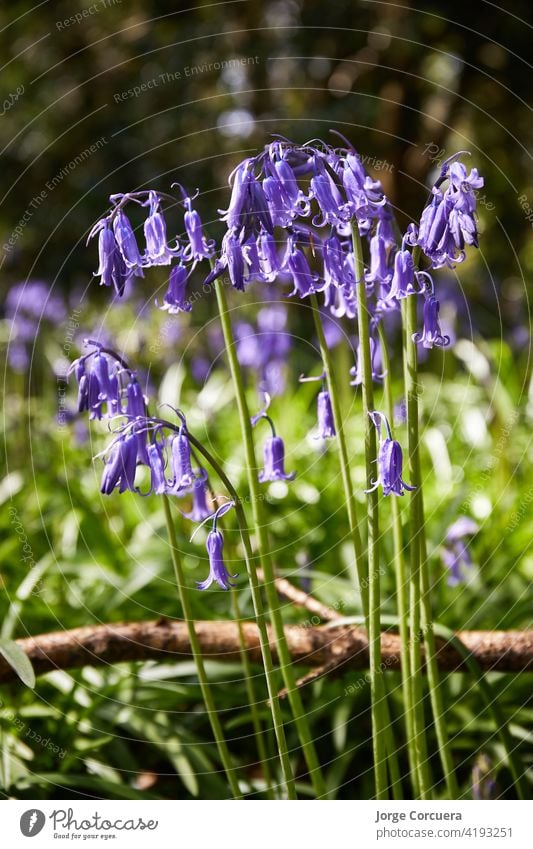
295 701
409 321
260 618
374 601
392 752
216 726
434 683
402 581
418 522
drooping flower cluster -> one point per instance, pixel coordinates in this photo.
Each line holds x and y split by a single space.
448 222
106 386
292 215
166 451
143 440
281 202
121 259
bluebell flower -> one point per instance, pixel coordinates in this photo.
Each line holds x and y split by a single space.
288 183
100 368
258 217
127 243
215 545
434 234
200 510
380 271
273 450
389 460
295 263
175 299
158 252
341 301
232 259
182 473
281 212
217 567
464 186
431 334
240 180
404 279
252 260
112 268
232 252
269 261
120 465
199 246
326 423
156 462
274 461
365 196
334 209
135 400
338 270
286 201
107 251
454 554
89 395
249 209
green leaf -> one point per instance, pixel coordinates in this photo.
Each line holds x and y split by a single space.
18 661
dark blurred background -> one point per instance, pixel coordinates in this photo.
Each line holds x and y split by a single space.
408 84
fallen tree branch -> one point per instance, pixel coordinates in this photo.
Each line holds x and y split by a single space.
504 651
302 599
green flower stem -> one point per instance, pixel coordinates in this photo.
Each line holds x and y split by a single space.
216 726
374 603
392 754
409 321
260 617
434 683
295 701
252 700
417 505
402 583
